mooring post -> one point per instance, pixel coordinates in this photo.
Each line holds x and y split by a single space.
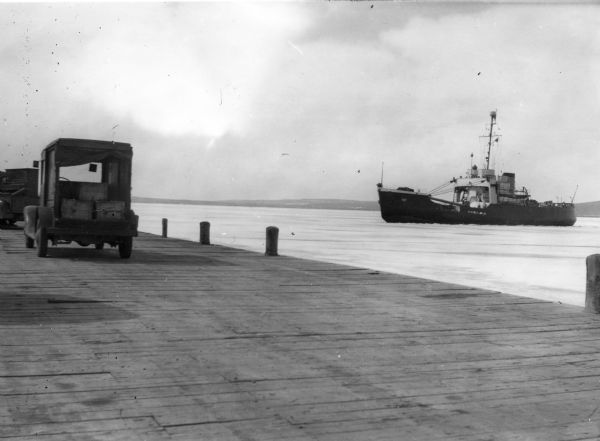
272 237
204 233
165 223
592 284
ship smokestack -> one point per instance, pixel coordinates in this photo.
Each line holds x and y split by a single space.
507 184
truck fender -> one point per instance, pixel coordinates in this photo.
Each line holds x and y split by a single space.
30 216
44 215
134 222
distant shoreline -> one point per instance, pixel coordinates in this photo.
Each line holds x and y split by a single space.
584 209
325 204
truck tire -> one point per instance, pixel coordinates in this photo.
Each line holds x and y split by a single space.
125 247
29 242
42 242
99 245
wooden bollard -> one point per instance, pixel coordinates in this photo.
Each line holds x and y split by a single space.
204 233
592 284
165 223
272 237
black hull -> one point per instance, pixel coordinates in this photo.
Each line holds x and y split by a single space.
404 206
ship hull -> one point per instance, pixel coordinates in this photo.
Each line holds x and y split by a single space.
410 207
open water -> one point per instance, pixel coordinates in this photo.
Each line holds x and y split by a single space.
540 262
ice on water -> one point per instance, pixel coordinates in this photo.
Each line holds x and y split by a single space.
539 262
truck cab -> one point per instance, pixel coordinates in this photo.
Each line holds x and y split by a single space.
85 197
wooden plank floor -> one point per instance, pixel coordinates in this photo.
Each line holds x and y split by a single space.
191 342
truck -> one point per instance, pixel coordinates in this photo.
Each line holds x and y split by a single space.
85 197
18 188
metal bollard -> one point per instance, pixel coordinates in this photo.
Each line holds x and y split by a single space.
165 223
205 233
271 244
592 284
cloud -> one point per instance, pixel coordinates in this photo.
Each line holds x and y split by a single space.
173 68
187 69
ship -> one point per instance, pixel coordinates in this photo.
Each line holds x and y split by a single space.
479 197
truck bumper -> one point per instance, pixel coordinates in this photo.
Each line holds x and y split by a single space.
70 229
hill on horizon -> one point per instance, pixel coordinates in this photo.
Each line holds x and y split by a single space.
591 209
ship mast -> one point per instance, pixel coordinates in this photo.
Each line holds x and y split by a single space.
492 122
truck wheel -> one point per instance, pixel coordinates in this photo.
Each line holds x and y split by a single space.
28 242
99 245
125 247
42 242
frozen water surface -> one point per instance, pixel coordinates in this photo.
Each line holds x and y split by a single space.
540 262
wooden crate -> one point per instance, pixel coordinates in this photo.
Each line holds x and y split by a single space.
76 209
110 210
92 191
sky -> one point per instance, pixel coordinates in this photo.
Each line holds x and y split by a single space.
276 100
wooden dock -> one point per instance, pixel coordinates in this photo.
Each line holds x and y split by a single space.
190 342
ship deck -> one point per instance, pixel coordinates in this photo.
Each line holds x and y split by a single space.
190 342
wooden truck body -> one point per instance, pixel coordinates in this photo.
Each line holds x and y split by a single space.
94 207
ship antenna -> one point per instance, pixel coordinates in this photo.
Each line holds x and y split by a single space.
381 181
492 122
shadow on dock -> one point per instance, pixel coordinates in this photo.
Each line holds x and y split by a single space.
4 226
24 309
111 256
